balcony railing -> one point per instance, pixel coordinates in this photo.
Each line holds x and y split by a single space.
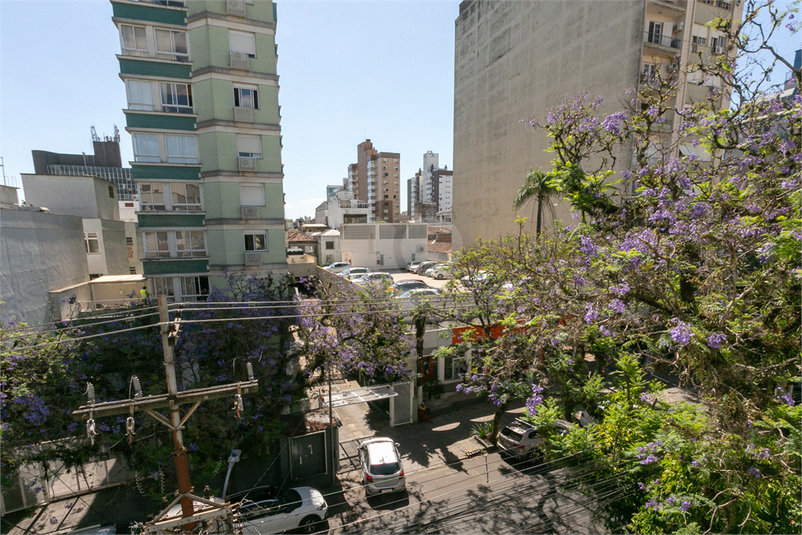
662 40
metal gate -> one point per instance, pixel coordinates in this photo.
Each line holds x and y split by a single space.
309 455
401 405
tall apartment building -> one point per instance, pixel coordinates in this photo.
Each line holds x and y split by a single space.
376 178
431 161
202 91
414 193
518 59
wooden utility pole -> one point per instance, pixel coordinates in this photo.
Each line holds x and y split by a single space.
173 400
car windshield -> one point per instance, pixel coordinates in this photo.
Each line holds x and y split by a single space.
385 469
513 434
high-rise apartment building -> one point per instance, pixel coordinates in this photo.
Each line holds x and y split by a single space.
376 178
414 193
517 59
431 161
202 90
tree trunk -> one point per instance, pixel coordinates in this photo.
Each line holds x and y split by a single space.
496 422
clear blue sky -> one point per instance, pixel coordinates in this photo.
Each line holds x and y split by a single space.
347 71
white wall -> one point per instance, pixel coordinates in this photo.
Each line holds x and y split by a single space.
39 252
84 196
374 251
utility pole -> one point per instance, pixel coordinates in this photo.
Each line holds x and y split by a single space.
172 401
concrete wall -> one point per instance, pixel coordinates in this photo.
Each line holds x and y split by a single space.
87 197
39 252
374 250
512 60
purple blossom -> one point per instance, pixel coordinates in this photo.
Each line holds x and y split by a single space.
685 506
715 339
681 333
590 315
534 400
755 472
694 463
649 459
788 399
618 306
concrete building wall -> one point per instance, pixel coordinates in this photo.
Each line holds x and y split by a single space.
383 245
39 252
517 59
81 196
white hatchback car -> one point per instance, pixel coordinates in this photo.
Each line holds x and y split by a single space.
271 510
382 470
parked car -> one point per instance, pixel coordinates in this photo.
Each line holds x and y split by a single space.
418 293
272 510
407 284
521 439
382 470
412 266
376 276
423 266
356 277
337 267
442 271
354 271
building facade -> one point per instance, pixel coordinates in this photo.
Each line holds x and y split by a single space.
375 178
202 91
518 59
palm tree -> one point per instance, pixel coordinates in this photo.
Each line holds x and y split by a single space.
536 186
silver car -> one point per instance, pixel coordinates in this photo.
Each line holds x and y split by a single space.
521 439
382 470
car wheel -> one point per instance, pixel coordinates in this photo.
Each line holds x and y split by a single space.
439 276
311 524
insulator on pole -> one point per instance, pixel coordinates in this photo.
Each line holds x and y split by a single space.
250 371
90 393
137 386
238 406
129 427
90 430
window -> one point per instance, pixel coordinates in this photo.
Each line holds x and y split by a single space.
252 194
92 243
129 241
649 70
176 98
655 31
132 270
156 245
255 241
189 243
151 196
195 288
242 42
111 192
185 196
246 98
140 95
697 41
134 40
329 245
172 44
249 146
181 149
146 148
163 286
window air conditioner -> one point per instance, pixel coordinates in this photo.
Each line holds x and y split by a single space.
253 259
250 212
247 164
239 60
235 7
243 115
719 50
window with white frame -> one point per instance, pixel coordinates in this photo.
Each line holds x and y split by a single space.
649 71
453 366
134 40
151 196
92 243
249 146
146 147
195 288
176 98
163 286
157 244
255 241
185 196
172 44
243 42
252 194
181 149
190 243
140 95
246 97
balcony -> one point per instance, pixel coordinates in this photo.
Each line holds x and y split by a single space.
665 41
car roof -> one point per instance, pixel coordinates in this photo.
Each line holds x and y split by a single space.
381 450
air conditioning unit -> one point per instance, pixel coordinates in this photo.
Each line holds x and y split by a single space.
247 164
243 115
250 212
253 259
235 7
681 26
719 50
238 60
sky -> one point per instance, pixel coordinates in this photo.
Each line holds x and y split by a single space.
348 71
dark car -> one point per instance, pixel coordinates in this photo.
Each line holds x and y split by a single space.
407 284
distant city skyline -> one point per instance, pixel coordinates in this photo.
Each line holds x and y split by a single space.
348 71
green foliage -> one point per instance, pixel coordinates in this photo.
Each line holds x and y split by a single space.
482 430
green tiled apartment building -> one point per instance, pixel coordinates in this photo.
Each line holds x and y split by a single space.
202 91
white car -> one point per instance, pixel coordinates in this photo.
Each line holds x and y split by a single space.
337 267
271 510
441 271
376 276
412 266
354 271
382 470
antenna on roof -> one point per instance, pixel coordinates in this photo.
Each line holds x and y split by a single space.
94 133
